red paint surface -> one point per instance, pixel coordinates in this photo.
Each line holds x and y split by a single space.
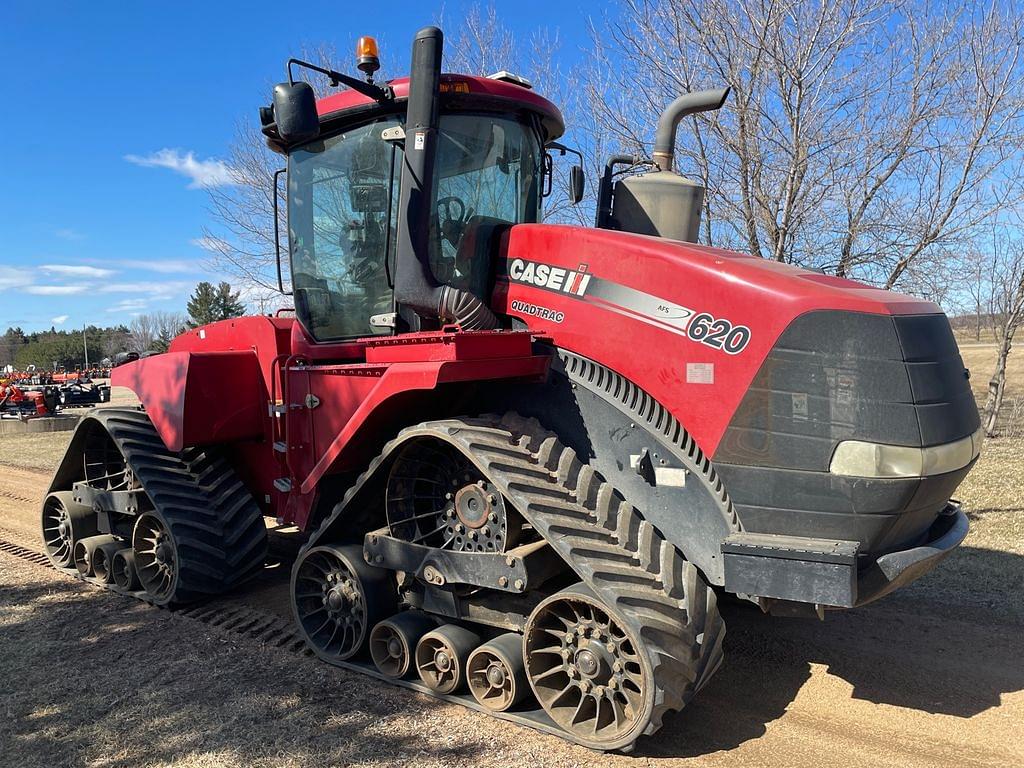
198 398
763 295
218 384
221 383
516 96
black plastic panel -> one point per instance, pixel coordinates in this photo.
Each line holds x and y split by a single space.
836 376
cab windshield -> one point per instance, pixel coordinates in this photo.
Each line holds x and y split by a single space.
488 175
343 214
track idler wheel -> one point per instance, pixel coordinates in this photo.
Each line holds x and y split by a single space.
337 598
102 560
393 642
122 568
65 522
441 657
496 673
156 557
86 549
587 670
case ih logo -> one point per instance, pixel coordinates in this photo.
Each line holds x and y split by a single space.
547 276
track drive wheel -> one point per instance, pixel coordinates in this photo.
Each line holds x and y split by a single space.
337 598
587 670
156 557
65 522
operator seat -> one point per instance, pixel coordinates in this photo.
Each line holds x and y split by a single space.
474 259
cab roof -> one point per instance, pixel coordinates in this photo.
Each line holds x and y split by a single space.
458 92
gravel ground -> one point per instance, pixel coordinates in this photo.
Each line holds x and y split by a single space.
94 679
931 676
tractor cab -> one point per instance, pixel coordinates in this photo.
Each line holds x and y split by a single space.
396 201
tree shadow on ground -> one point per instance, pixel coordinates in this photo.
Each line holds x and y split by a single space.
114 682
108 681
930 648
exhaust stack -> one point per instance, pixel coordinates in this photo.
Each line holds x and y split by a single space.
687 104
419 296
663 203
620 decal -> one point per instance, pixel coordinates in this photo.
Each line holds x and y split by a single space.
719 334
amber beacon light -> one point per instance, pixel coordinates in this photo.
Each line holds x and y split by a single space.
367 57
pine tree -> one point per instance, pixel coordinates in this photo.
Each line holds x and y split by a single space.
209 304
228 303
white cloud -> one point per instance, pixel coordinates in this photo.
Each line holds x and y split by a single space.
76 270
166 266
69 234
166 288
55 290
14 277
129 305
204 173
60 319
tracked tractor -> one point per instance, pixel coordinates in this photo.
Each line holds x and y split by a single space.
529 458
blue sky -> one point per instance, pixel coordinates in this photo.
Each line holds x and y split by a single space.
121 112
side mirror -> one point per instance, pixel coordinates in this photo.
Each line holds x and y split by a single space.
295 112
577 181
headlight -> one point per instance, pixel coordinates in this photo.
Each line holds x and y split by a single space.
856 458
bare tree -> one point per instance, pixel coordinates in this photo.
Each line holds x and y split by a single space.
480 43
859 134
240 242
142 332
1007 313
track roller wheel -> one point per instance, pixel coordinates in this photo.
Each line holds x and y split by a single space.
393 642
337 597
156 557
122 567
102 567
587 670
441 657
85 552
496 673
64 523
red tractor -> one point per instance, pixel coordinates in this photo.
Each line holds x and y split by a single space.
529 457
25 403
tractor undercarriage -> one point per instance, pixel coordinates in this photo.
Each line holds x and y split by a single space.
168 528
506 575
619 629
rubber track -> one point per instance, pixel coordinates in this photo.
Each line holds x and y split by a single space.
217 527
623 558
268 629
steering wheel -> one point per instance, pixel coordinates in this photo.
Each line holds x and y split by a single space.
451 225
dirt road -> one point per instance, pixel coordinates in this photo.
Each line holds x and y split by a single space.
932 676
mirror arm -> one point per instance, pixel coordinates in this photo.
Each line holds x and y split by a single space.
369 90
562 149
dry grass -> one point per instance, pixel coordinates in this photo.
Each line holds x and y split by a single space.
993 495
43 450
39 451
981 360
